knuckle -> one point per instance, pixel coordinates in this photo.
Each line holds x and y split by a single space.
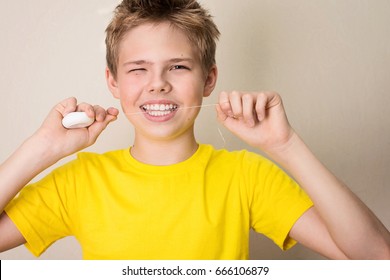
235 93
261 99
223 95
247 97
225 105
70 100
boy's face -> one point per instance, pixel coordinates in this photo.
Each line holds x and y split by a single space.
159 75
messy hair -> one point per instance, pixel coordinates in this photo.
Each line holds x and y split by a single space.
185 15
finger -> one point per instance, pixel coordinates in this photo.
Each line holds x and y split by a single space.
97 127
236 104
221 116
100 113
261 103
113 111
248 109
67 106
224 104
87 108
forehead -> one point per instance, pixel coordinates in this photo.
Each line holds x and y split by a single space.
154 42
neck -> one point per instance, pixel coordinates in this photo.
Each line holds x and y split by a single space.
164 152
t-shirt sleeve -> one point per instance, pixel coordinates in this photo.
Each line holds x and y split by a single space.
42 211
276 203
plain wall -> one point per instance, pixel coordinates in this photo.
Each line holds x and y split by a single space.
329 59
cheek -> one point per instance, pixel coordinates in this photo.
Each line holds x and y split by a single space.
128 101
129 91
194 90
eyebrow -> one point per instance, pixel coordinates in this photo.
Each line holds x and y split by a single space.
136 62
172 60
181 59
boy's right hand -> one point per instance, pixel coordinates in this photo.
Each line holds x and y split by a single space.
62 142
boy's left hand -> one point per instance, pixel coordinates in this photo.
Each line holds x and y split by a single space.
258 118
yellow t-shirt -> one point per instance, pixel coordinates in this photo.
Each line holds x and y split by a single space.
201 208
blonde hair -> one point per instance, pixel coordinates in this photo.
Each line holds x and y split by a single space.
185 15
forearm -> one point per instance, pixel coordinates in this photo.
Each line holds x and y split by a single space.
31 158
353 227
49 144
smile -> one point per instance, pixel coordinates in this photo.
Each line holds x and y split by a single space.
159 110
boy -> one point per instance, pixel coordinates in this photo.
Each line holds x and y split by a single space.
168 197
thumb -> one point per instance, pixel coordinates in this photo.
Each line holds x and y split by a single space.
221 116
97 127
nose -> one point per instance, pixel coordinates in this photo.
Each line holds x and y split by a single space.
159 84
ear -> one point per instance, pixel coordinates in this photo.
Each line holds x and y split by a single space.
112 84
211 81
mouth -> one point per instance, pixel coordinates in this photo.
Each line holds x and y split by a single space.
159 110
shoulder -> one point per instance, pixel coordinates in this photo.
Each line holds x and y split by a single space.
241 162
87 162
236 157
115 156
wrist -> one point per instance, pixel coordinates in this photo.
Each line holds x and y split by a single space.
288 150
41 149
30 159
293 155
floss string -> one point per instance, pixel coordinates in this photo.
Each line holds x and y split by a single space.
189 107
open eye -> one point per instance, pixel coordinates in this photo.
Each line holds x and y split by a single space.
179 67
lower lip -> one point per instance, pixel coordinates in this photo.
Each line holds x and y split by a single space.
160 118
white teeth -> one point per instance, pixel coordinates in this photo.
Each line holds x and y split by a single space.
158 110
159 113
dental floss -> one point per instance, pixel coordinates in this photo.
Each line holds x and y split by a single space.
77 120
80 119
180 108
189 107
223 138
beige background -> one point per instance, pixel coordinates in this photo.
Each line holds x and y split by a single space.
330 61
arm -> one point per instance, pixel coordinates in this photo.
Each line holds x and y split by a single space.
342 226
353 227
50 143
